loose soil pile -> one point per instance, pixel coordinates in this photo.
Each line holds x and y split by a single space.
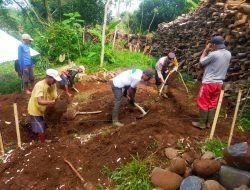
90 142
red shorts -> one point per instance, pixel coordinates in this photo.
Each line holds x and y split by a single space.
208 96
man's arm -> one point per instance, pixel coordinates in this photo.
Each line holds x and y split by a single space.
204 59
43 102
20 57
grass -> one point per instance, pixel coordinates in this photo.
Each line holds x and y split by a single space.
131 176
123 59
244 122
10 83
215 145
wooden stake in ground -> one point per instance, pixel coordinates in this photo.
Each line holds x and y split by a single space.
87 185
216 114
1 145
17 126
234 118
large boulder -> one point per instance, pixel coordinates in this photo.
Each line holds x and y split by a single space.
165 179
178 165
191 183
232 178
206 168
212 185
238 155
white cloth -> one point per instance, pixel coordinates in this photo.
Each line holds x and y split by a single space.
128 78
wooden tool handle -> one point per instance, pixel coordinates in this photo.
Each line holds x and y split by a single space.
89 112
164 83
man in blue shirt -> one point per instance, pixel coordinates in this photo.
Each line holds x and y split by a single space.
25 62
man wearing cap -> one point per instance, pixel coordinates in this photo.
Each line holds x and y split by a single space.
215 66
68 76
25 62
43 94
127 81
163 68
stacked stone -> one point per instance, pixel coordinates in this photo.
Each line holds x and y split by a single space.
188 35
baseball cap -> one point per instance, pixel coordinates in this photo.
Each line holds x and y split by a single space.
171 55
53 73
26 37
149 73
218 41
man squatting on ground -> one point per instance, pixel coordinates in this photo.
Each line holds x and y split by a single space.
127 80
25 61
215 65
162 69
44 94
68 77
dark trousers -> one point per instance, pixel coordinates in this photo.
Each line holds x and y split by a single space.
157 79
118 100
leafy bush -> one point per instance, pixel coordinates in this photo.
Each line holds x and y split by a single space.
133 175
215 145
58 38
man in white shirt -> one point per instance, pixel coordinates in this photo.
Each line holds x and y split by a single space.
127 80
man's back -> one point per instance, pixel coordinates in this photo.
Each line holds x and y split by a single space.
216 65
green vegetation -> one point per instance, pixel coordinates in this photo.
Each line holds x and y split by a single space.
153 12
215 145
244 122
132 176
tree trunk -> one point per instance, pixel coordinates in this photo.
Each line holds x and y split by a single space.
46 6
151 22
118 16
35 13
103 31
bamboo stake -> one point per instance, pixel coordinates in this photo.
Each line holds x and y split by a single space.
216 114
234 118
17 126
1 145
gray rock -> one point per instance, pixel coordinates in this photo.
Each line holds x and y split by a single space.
191 182
232 178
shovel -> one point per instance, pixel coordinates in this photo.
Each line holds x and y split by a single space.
141 109
71 114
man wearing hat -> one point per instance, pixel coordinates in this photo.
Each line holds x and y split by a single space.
25 62
68 76
163 67
127 81
215 66
43 95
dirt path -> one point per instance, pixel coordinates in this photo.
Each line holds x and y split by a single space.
90 142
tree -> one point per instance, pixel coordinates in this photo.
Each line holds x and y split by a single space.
153 12
103 31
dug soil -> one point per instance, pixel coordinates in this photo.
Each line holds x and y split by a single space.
90 142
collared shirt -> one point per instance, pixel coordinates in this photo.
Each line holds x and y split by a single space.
24 56
41 89
216 65
128 78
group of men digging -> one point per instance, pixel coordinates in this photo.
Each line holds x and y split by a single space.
215 60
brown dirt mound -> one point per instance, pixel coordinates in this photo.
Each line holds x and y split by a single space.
90 143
